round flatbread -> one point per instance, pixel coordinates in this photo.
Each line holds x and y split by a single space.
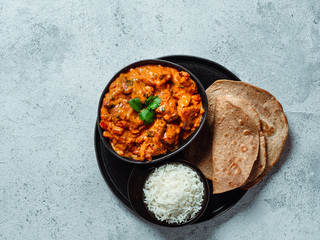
235 143
259 165
273 120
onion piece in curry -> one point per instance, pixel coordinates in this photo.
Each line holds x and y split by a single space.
178 115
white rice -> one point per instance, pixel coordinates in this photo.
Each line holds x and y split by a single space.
174 193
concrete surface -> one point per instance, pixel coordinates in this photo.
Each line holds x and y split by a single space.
57 56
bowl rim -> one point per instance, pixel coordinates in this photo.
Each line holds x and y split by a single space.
150 169
186 142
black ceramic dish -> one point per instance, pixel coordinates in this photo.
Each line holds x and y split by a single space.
136 183
116 172
183 144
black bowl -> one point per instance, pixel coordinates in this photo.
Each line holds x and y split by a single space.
136 183
183 144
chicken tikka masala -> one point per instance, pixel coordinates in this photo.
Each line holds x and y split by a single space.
159 127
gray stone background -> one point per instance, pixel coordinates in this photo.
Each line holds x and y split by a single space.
57 56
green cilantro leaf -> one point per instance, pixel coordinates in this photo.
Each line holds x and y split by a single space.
147 116
155 103
136 104
149 100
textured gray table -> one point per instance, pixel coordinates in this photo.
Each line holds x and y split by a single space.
57 56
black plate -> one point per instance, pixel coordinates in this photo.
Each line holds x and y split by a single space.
116 172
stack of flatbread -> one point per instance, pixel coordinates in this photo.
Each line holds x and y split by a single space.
243 136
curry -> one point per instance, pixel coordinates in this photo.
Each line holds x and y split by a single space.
176 116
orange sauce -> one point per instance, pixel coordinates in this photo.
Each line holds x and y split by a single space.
178 115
